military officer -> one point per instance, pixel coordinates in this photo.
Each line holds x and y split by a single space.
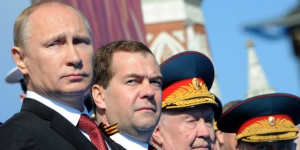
188 108
265 122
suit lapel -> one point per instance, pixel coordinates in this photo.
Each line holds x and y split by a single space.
59 124
70 133
112 144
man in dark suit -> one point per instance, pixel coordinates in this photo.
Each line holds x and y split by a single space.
53 50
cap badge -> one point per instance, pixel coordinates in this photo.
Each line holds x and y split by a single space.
271 120
196 84
187 93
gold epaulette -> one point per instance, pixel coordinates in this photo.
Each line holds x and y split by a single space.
268 128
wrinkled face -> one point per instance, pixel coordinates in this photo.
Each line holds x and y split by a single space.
58 53
230 141
189 130
133 96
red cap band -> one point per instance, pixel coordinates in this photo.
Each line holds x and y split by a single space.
169 90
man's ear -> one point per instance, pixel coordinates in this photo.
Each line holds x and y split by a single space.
18 56
99 96
156 139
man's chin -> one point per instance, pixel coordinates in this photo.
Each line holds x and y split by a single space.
75 90
146 126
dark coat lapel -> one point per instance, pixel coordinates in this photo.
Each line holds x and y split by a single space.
112 144
71 133
59 124
150 147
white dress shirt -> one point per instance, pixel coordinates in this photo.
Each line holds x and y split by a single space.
128 142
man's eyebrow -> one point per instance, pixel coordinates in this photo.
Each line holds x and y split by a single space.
135 75
55 37
158 77
85 38
82 39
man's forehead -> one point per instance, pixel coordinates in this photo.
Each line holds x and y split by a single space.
57 10
115 67
57 25
52 5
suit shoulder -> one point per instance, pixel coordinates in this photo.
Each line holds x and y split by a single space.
22 120
14 134
21 131
25 130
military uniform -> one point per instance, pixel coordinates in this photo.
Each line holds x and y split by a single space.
263 120
187 79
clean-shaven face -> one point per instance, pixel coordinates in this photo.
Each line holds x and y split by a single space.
133 95
58 53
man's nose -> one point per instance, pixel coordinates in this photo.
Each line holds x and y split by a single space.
203 129
73 57
147 89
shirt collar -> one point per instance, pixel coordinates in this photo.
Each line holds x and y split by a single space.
129 142
70 113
